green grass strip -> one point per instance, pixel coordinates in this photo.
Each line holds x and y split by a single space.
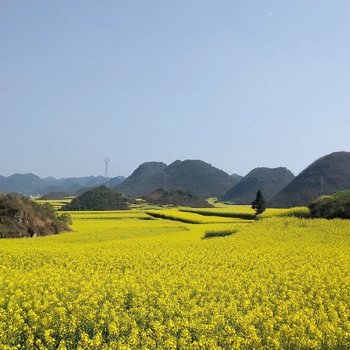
246 216
173 218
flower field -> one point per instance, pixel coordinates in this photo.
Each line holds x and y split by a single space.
56 203
129 280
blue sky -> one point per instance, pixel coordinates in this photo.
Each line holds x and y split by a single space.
238 84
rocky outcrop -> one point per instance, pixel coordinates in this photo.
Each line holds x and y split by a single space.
22 217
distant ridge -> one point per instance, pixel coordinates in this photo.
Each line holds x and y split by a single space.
55 195
20 183
194 175
33 184
115 181
326 175
237 178
269 181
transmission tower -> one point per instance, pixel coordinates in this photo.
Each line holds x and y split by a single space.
106 170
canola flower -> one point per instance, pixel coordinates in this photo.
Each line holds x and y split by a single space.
56 203
121 280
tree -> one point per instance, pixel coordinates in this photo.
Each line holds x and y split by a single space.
259 204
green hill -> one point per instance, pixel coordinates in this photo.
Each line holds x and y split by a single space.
196 176
100 198
269 181
145 179
326 175
176 197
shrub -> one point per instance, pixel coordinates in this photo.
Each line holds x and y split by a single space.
329 207
245 216
169 217
219 233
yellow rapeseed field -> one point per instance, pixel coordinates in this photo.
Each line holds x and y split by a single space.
56 203
127 280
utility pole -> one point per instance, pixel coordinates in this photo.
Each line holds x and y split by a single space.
166 181
322 185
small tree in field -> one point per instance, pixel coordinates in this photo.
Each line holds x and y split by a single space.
259 205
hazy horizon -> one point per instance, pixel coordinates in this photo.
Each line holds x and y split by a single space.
236 84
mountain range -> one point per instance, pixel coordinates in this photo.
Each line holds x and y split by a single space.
33 184
280 188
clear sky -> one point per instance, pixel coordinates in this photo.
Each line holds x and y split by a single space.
238 84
